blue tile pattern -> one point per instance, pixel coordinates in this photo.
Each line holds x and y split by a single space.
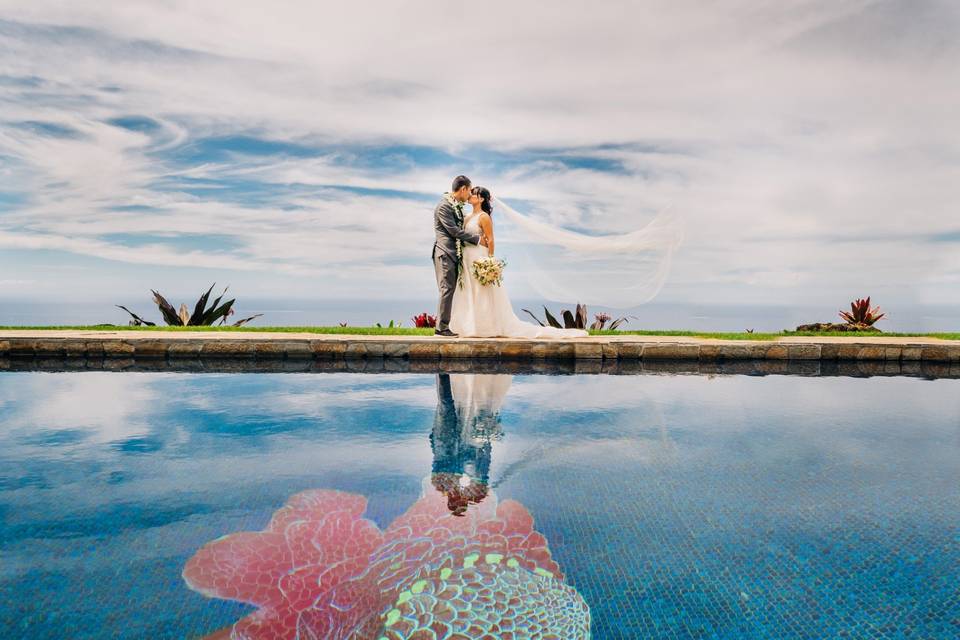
677 506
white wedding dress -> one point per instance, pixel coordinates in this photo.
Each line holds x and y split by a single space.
485 311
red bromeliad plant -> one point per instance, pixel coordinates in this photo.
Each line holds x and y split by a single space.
861 313
424 321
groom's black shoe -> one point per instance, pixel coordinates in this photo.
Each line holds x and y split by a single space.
446 333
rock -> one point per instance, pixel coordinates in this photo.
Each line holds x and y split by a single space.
588 351
836 326
670 351
803 352
516 350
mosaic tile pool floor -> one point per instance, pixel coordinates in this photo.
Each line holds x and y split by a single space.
167 505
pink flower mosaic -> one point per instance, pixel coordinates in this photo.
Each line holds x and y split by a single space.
321 570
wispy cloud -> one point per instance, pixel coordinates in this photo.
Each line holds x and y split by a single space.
299 151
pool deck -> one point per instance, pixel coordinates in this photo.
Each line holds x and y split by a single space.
179 345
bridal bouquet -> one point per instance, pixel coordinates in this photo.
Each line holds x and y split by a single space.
489 270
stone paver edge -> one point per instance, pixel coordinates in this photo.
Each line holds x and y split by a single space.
307 345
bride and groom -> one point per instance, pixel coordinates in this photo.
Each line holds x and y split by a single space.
467 307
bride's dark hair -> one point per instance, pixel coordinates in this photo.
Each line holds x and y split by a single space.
485 204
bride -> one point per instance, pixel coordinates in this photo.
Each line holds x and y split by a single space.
485 311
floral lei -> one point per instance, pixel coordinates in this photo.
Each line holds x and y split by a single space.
458 207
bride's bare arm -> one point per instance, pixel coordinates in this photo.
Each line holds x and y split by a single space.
486 229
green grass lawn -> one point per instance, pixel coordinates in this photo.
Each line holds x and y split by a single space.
782 334
409 331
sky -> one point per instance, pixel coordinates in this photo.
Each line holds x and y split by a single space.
809 149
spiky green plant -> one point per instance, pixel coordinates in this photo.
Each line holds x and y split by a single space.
203 315
601 319
576 319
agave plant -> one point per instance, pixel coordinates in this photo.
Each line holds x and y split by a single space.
203 315
136 320
425 320
576 319
571 320
861 313
601 319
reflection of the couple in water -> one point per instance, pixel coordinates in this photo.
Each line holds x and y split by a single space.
466 423
458 563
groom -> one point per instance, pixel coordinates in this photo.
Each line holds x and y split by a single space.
448 225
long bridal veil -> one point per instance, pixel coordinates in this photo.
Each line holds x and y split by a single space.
620 271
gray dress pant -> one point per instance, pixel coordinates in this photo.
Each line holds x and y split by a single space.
446 269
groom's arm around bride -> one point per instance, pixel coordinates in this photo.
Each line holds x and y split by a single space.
449 229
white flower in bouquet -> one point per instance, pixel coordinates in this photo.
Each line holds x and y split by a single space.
489 270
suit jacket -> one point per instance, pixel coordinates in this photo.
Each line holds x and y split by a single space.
448 228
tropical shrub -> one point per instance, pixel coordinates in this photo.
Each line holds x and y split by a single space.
425 321
577 319
571 320
203 315
136 320
601 319
861 313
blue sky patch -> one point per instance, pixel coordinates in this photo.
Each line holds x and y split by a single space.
140 124
388 157
948 236
180 241
51 129
8 199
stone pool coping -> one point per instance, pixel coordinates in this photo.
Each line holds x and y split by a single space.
620 348
805 368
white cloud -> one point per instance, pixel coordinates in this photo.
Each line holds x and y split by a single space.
780 132
105 407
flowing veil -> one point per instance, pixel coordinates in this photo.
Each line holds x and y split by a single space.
619 271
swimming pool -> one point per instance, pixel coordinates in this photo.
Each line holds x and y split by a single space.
661 506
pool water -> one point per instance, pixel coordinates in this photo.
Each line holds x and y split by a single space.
384 506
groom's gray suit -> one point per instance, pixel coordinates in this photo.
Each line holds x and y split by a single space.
448 226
